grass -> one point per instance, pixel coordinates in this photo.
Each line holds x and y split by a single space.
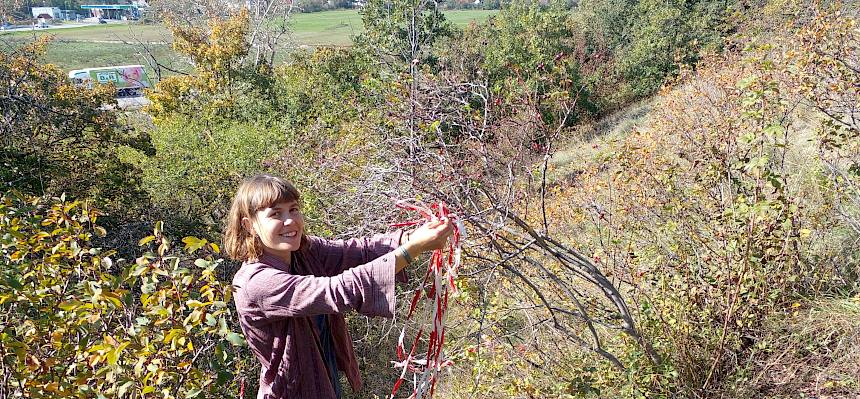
326 28
76 55
85 55
590 139
338 27
115 32
464 17
811 352
116 43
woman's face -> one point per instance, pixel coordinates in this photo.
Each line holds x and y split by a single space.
279 228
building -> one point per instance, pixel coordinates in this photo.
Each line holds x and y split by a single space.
46 12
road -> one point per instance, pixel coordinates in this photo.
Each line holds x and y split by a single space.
66 25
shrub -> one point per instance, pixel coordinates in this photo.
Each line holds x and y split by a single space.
713 217
196 168
649 41
79 323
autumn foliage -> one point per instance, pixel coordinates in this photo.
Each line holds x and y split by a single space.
80 322
700 246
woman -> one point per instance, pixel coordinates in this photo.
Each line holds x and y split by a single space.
292 289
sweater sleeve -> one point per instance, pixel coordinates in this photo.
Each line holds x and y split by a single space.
273 294
331 257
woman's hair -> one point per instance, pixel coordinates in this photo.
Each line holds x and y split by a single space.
256 193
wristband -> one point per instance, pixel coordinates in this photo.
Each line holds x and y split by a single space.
405 254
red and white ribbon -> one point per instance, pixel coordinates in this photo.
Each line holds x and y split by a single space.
436 286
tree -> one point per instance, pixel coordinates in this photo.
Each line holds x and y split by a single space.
58 137
217 52
402 29
648 41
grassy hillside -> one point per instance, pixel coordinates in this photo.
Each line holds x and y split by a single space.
100 33
642 188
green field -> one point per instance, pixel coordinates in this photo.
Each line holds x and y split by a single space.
337 27
108 32
119 43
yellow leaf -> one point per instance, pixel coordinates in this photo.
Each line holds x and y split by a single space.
52 387
193 304
145 240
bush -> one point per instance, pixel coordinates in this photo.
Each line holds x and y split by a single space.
196 168
647 42
528 55
79 323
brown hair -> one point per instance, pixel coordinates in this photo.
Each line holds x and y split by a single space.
256 193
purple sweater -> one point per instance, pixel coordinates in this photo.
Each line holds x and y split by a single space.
276 306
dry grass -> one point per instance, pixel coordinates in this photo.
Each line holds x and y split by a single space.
812 352
588 140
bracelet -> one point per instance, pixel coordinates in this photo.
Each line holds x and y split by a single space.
405 254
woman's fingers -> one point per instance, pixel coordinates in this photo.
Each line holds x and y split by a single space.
433 234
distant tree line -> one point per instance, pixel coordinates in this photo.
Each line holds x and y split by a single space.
322 5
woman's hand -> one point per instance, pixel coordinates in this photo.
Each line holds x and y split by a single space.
430 236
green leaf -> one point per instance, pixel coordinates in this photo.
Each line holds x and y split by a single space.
774 130
193 304
747 82
13 282
236 339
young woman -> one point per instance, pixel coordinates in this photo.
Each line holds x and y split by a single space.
293 289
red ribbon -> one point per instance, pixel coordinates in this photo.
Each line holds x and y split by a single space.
434 285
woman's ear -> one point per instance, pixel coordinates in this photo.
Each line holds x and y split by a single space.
248 226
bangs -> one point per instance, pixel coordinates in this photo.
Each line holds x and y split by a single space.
266 191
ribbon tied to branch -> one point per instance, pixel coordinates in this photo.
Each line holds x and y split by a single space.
436 286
